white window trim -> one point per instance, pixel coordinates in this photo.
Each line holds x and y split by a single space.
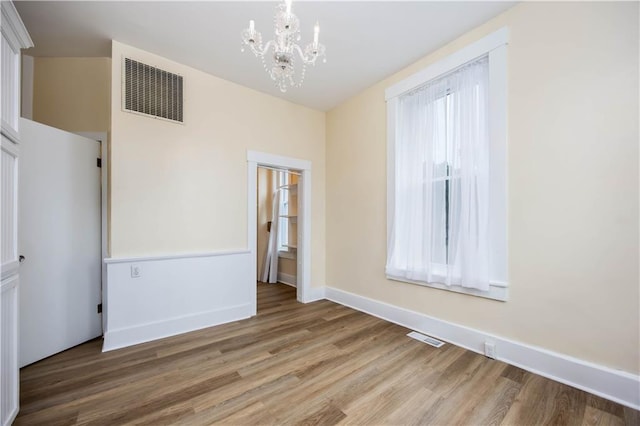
495 45
282 179
475 50
286 254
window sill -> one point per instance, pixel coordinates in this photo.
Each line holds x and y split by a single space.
286 254
497 291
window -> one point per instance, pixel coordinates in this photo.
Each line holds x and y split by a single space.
447 173
283 225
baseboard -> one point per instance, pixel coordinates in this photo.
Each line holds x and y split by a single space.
116 339
617 386
287 279
315 294
312 295
12 416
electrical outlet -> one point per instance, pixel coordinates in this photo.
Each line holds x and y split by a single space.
490 350
136 271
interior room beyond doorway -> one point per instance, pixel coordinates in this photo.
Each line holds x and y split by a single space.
277 225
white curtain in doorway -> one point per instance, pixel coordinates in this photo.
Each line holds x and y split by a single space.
270 269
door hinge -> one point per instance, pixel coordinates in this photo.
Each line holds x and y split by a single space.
99 162
100 308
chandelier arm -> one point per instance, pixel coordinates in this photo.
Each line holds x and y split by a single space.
309 60
260 50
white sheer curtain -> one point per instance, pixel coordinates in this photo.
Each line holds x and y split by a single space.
270 268
440 229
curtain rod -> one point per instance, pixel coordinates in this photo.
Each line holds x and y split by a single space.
280 170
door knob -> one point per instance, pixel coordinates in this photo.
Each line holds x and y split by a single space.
21 258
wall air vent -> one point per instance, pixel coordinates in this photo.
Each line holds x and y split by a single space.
151 91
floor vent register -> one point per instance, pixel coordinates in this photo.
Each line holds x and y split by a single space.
426 339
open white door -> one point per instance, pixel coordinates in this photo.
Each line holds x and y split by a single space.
59 234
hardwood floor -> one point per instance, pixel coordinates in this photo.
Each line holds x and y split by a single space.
320 363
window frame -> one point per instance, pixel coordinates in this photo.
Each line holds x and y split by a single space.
495 46
283 199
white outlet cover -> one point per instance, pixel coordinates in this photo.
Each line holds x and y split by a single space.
135 271
490 349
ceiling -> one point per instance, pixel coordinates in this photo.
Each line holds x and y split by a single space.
366 40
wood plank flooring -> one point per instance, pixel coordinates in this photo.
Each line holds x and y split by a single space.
319 363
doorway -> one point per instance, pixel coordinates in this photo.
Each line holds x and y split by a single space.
277 228
302 168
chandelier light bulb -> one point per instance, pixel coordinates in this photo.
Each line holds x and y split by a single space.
316 32
288 4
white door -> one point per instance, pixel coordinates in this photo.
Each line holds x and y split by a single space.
59 236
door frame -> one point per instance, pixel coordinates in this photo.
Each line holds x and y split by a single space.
303 258
102 137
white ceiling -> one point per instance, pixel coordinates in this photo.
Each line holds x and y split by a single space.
366 41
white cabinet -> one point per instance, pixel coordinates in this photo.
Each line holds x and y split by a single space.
10 89
9 203
14 38
9 392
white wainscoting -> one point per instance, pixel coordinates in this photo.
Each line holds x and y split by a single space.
614 385
174 294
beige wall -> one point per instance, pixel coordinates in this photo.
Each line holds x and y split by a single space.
72 94
183 188
573 187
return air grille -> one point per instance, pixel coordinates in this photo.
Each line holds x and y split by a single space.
152 91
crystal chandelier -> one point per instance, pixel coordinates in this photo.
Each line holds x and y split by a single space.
279 55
